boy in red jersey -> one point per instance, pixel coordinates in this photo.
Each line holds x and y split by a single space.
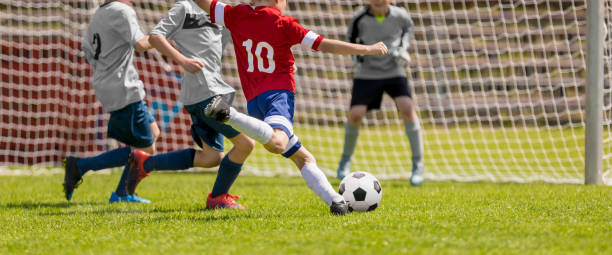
262 42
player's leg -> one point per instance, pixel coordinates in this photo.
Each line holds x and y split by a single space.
229 169
261 124
135 126
75 167
366 95
398 89
219 108
317 181
231 165
351 133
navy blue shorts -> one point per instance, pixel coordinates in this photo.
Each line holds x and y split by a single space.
131 125
208 130
275 107
370 92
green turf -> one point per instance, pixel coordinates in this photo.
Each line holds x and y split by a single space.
284 217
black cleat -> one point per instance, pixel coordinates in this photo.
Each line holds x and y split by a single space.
218 109
72 176
339 208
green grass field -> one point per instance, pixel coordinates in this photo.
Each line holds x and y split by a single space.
284 217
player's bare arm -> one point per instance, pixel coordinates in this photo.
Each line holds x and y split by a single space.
163 45
143 45
204 4
344 48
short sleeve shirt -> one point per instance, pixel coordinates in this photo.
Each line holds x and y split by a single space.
198 38
108 45
262 42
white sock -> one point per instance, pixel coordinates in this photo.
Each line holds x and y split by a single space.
317 182
260 131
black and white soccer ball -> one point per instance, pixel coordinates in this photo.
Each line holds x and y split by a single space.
361 191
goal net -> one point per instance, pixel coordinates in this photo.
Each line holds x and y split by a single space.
499 87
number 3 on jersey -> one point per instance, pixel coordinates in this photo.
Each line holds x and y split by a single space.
248 44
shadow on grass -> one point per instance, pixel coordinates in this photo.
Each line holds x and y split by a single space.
38 205
160 215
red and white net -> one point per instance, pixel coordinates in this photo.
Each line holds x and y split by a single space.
499 86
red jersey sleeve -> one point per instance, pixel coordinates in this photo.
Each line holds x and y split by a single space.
298 34
220 13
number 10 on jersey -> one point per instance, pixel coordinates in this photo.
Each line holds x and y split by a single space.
248 44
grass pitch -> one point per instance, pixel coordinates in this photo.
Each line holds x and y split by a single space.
284 217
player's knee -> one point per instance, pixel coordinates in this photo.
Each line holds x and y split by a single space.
275 147
155 130
208 159
151 149
355 120
278 143
355 116
244 144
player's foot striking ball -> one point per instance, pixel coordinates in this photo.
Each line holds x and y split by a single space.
339 208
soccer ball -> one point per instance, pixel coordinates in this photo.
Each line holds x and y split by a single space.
361 191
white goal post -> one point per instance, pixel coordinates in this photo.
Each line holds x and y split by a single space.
500 87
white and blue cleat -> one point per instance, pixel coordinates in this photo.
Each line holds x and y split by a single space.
417 174
344 168
114 198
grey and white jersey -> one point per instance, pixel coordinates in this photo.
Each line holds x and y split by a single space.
108 44
196 37
396 31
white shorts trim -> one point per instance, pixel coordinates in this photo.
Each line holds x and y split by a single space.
280 120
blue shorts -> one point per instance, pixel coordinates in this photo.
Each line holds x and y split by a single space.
131 125
275 107
208 130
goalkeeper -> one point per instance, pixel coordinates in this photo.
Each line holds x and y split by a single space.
373 75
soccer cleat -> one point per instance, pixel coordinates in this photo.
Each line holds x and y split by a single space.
137 171
344 168
339 208
417 174
223 201
72 176
218 109
114 198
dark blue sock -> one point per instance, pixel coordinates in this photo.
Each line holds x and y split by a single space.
109 159
228 172
174 160
121 187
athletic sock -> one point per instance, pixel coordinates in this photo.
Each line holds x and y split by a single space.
350 141
317 182
227 174
413 131
252 127
121 187
174 160
109 159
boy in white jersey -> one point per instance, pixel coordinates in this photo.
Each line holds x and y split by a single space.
108 43
200 45
262 42
375 75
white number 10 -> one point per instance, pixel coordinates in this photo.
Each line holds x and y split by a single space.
248 44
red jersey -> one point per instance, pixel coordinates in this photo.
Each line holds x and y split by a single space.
262 42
